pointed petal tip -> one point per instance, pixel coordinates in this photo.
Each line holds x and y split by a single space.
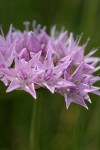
86 107
89 100
31 90
13 86
35 97
9 90
67 106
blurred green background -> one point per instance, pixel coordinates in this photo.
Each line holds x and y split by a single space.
45 124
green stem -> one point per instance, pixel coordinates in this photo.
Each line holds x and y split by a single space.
46 131
35 125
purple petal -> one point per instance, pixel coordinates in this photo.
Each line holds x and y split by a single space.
78 73
24 54
30 89
49 87
13 86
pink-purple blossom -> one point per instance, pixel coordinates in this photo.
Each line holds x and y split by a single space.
30 60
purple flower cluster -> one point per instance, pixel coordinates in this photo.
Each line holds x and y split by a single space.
33 59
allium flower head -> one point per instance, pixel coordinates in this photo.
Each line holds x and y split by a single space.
33 59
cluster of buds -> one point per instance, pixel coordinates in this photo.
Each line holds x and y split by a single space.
30 60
